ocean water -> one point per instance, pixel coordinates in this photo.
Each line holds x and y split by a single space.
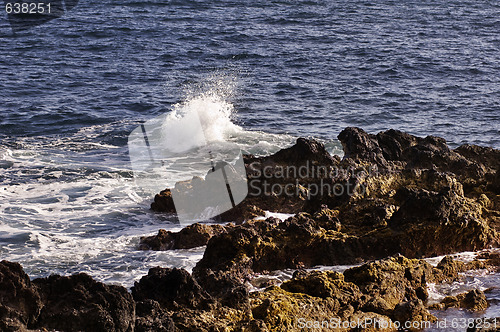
262 73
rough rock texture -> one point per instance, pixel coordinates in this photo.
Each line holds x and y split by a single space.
172 289
400 194
163 202
475 300
390 290
412 311
490 257
392 193
305 153
423 201
382 292
308 240
75 303
151 317
226 288
79 303
20 302
192 236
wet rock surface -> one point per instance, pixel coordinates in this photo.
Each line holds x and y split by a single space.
172 289
393 199
195 235
20 303
75 303
475 300
379 295
79 303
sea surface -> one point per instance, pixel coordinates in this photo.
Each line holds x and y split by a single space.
261 73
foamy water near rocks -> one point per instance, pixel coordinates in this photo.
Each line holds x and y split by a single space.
399 198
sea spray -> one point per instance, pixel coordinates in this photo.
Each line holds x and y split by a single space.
210 111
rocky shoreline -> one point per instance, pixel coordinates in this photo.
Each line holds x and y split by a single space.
392 200
378 296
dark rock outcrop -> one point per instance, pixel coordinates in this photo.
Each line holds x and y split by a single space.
306 240
305 153
74 303
395 148
172 289
383 292
412 311
152 317
20 303
475 300
227 289
79 303
415 205
392 193
163 202
191 236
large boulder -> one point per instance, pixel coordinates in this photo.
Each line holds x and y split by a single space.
391 148
20 303
474 300
172 289
79 303
191 236
263 173
322 238
391 281
225 287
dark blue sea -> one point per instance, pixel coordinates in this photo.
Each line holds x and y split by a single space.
266 72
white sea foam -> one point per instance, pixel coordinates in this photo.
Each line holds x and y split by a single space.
280 216
69 203
209 111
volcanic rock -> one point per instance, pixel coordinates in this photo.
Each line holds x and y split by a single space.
475 300
79 303
172 289
151 317
20 302
194 235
